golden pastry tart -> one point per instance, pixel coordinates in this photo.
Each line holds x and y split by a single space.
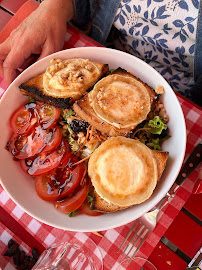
64 81
121 101
70 78
123 171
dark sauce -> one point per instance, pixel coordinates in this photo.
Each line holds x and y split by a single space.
29 161
71 161
34 113
7 147
33 163
62 176
21 142
31 107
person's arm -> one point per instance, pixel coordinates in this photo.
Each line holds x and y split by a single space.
43 33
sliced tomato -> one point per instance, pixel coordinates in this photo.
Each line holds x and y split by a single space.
44 162
39 140
48 115
25 146
71 178
59 182
45 189
85 209
26 116
23 119
72 203
55 140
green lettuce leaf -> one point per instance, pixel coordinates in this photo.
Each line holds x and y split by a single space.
156 144
157 125
71 214
68 114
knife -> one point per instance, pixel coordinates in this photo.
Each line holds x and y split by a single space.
189 166
192 162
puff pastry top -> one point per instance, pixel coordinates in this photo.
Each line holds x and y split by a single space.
121 101
123 171
70 78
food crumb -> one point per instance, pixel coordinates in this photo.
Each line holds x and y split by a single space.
168 262
159 89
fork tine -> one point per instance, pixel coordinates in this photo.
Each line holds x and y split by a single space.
140 244
141 232
129 233
134 234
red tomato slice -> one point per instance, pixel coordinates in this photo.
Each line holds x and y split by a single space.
25 146
44 188
26 116
71 178
40 140
55 139
71 204
59 182
22 120
44 162
68 159
48 115
85 209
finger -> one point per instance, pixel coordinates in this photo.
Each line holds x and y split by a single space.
13 61
1 67
47 49
4 49
37 51
30 60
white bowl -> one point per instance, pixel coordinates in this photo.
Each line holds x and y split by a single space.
20 186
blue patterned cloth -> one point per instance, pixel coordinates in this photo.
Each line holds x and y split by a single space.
161 32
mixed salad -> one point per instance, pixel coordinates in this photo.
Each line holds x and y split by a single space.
53 146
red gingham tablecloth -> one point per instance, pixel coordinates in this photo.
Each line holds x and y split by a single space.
109 244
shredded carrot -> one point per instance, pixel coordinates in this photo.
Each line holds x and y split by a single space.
103 138
97 233
74 117
98 137
91 133
82 160
80 148
88 130
84 174
86 138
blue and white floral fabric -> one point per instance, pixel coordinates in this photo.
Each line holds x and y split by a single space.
161 32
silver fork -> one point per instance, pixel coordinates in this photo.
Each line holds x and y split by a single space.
145 225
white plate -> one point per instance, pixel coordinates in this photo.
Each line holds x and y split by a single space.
20 186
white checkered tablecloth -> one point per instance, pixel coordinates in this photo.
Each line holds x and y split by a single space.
109 244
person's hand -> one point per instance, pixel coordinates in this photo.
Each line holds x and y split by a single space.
43 33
